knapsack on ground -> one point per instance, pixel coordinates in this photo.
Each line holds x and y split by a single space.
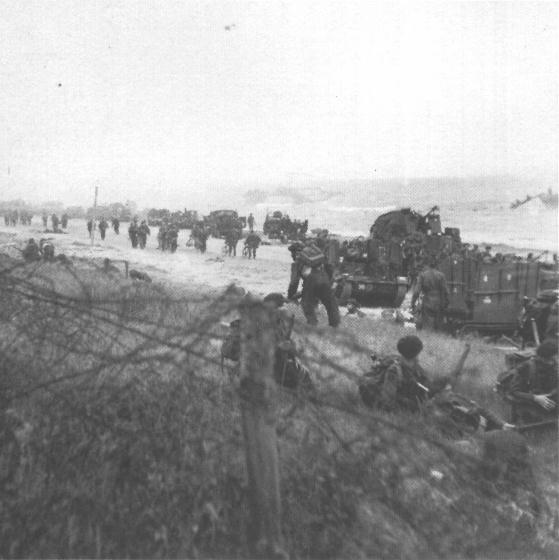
371 383
312 256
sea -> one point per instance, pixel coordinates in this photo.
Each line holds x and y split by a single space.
479 207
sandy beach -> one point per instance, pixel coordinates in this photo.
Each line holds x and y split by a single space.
268 273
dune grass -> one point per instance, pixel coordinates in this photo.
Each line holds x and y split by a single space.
121 436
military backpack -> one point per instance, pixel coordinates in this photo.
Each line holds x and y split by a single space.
370 385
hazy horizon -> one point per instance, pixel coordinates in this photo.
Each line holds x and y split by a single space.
155 102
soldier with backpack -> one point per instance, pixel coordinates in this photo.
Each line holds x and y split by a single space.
252 242
309 265
397 383
289 372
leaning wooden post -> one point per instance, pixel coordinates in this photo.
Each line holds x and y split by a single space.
258 404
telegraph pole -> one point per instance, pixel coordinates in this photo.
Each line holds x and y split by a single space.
94 219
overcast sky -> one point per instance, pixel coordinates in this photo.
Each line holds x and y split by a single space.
139 93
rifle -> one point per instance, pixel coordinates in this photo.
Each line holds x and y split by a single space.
535 331
535 425
460 365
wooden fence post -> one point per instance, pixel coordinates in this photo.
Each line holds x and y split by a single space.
258 407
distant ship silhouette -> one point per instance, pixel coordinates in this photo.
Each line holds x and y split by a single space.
548 198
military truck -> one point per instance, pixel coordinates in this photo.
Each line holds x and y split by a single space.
280 226
183 220
490 297
485 296
377 271
219 222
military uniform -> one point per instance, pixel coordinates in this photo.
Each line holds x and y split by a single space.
316 288
31 251
459 416
231 240
133 234
252 242
143 232
103 225
431 287
533 377
405 387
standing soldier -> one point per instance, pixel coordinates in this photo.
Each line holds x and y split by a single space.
45 220
250 221
162 237
200 236
90 227
133 233
143 232
432 290
172 237
231 240
103 225
316 284
252 242
55 222
64 220
116 225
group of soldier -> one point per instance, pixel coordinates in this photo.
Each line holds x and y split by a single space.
138 234
42 251
15 217
55 221
403 385
167 236
24 217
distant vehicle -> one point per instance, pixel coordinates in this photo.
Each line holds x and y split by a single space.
114 210
281 226
183 220
219 222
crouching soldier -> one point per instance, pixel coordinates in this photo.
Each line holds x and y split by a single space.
533 388
47 249
289 372
397 383
31 252
458 416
